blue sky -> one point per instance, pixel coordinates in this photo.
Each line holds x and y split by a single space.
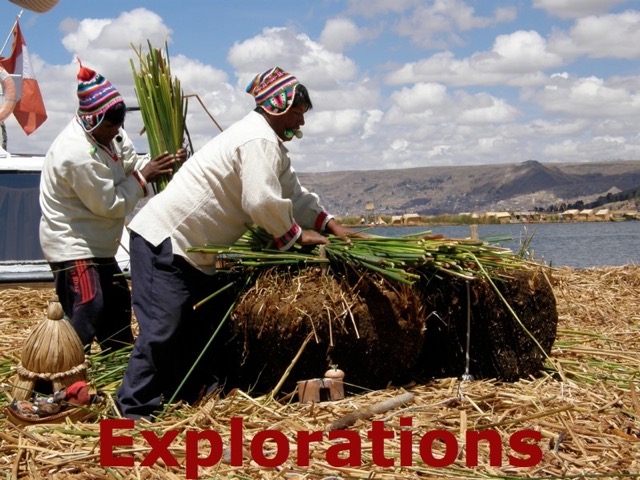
395 83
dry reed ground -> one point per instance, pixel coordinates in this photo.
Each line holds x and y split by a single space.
585 405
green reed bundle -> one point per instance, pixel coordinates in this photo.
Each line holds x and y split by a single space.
162 104
402 259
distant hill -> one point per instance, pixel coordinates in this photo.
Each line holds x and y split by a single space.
615 199
438 190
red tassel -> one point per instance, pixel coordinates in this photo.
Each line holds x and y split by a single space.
85 74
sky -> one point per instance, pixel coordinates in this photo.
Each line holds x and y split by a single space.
394 83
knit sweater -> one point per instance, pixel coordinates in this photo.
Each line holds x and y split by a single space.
241 177
85 195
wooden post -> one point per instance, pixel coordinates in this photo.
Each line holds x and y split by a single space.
473 232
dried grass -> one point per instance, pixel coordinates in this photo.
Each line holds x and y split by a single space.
585 405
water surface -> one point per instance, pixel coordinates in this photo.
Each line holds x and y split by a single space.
576 245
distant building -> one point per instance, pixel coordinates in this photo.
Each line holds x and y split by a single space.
587 215
500 217
570 214
603 215
409 218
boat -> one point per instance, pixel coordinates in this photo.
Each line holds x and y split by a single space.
21 259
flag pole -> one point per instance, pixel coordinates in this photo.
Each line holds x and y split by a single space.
11 31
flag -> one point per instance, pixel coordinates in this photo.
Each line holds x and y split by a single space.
29 111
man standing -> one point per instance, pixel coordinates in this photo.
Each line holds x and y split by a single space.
91 180
242 176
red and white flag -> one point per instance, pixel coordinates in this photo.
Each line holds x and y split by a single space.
29 111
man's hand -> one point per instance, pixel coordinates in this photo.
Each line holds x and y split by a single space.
340 231
163 164
311 237
181 156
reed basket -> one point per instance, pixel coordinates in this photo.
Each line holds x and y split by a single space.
52 357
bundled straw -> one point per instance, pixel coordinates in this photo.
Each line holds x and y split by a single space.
52 353
403 259
588 414
162 104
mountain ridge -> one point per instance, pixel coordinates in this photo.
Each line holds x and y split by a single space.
438 190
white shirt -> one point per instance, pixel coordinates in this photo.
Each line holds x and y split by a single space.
241 177
85 195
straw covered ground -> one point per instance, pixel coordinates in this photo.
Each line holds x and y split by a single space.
584 405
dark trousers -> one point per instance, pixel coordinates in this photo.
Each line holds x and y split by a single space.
170 349
95 297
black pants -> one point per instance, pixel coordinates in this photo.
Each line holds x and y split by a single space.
95 297
170 358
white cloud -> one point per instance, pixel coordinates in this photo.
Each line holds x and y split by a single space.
608 147
517 59
371 123
197 76
590 97
369 8
565 148
107 44
505 14
437 23
497 111
335 123
421 97
607 36
430 104
575 8
399 144
85 33
339 34
522 51
297 53
543 128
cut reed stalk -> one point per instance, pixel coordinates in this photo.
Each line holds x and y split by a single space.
162 105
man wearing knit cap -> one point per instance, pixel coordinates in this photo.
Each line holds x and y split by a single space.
91 180
241 177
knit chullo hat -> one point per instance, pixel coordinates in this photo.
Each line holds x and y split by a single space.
96 95
274 90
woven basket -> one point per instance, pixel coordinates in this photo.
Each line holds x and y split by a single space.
52 354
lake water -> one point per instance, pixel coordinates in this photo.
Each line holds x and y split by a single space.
576 245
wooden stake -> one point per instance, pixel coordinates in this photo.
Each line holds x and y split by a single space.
368 412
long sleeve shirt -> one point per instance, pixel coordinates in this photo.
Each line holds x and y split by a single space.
85 194
241 177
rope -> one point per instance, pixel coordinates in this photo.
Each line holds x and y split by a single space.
23 372
467 360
